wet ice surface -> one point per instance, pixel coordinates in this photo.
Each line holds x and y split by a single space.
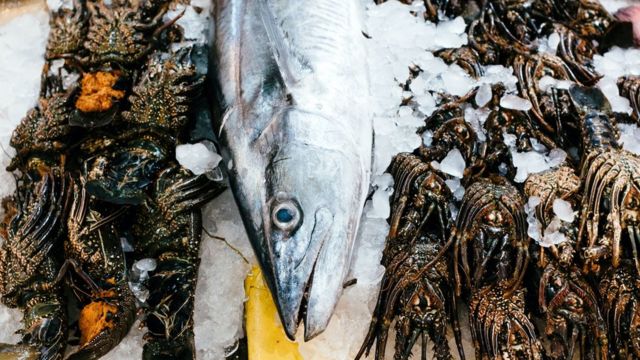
613 64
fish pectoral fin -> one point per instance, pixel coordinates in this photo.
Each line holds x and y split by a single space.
288 64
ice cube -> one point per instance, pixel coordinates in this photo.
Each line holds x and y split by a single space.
509 139
552 238
630 137
427 137
531 162
418 85
547 82
453 184
426 104
537 146
456 81
139 291
456 188
532 202
553 42
197 157
459 193
609 87
556 157
453 164
494 74
454 211
484 94
405 111
527 163
514 102
534 228
552 234
380 207
563 210
147 264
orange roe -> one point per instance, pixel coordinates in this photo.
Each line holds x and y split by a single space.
97 92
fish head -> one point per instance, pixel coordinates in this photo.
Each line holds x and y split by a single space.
311 205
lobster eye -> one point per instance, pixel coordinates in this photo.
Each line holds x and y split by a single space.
286 215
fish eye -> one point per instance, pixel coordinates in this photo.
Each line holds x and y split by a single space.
286 215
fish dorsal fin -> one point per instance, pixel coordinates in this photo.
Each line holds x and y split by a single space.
288 64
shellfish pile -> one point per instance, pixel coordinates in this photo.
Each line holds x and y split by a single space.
521 204
95 167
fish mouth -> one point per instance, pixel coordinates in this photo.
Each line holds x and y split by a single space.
295 290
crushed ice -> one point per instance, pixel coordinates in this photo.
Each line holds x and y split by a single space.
380 207
616 63
534 228
630 137
453 164
563 210
138 276
532 162
199 158
484 94
515 102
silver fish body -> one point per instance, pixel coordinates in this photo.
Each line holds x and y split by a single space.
297 139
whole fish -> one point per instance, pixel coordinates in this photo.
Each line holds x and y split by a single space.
296 136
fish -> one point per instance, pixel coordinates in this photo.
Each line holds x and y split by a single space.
296 136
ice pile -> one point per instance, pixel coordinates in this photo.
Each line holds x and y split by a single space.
552 234
549 44
630 137
534 161
394 135
226 256
453 164
21 63
547 82
612 65
400 41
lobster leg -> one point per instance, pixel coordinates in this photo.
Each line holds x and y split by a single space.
95 254
29 263
169 229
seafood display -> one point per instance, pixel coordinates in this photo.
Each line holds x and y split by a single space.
95 168
544 259
500 175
